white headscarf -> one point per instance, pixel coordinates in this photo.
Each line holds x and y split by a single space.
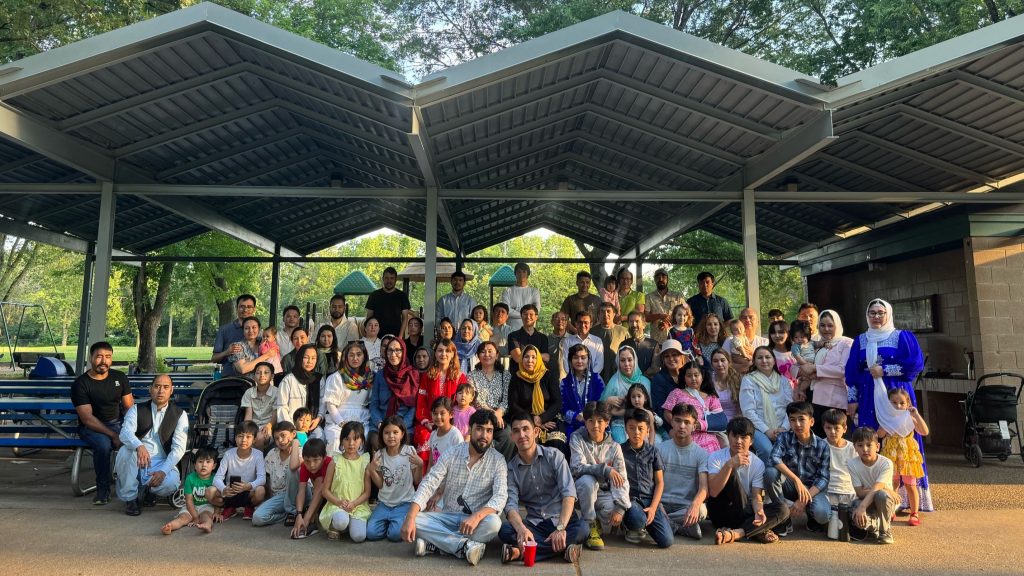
835 321
894 421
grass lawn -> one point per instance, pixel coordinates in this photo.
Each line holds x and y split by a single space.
124 354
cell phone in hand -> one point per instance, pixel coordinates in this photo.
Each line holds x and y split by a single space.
232 480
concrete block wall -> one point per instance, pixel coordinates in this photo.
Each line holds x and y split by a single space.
995 267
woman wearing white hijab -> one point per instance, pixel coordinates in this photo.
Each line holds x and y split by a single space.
828 373
881 359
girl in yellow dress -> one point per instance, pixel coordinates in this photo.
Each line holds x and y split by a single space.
347 487
904 451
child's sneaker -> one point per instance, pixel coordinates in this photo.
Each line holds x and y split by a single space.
333 535
228 513
247 513
691 531
423 547
289 520
312 529
635 536
785 529
594 541
812 525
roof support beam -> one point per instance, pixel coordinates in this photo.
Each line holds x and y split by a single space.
750 271
865 171
21 162
55 145
419 141
981 136
817 183
677 224
39 234
927 160
226 153
211 219
797 145
990 86
102 267
161 190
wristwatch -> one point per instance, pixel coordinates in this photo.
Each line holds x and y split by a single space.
560 527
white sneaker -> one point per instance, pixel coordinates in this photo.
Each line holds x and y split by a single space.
421 547
475 552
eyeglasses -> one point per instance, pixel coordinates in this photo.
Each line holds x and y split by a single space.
877 314
394 351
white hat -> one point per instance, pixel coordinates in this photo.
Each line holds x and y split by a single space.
671 344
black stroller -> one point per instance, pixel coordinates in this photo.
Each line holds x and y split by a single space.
991 419
218 414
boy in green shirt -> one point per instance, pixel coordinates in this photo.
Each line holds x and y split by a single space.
197 511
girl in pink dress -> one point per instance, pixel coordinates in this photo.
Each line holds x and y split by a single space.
703 402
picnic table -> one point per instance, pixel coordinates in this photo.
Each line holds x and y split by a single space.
175 362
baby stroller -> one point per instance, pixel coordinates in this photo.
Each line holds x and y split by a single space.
991 419
218 414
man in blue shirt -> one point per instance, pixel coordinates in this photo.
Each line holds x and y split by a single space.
230 335
541 497
154 435
706 301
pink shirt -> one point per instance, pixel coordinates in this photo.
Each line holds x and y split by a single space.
461 418
830 383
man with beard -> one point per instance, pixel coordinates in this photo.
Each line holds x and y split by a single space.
659 306
541 498
291 321
475 482
154 436
98 397
345 329
645 346
387 304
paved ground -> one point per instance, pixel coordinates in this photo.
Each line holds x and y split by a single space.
44 530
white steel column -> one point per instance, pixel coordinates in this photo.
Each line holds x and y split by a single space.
430 265
750 252
101 269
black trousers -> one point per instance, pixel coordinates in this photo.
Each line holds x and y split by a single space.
727 511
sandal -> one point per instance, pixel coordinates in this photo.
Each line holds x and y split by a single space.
724 536
509 553
768 537
914 520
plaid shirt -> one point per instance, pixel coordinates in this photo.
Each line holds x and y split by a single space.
485 485
809 461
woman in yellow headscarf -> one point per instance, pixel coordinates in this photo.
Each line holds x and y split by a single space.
534 390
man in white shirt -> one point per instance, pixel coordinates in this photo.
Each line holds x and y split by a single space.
154 435
290 320
583 336
345 329
515 297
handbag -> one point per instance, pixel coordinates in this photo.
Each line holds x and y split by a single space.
717 421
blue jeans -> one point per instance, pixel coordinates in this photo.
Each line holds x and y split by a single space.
101 446
779 487
442 530
276 508
762 446
386 522
576 532
660 529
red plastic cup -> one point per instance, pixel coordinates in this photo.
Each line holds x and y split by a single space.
529 553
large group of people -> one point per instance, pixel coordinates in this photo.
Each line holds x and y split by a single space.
490 428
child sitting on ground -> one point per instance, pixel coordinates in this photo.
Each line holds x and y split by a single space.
596 463
686 474
645 520
840 485
905 452
465 397
269 344
738 342
303 420
314 467
347 487
799 471
282 464
198 511
395 469
872 476
240 477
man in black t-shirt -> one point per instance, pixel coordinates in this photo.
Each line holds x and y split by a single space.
99 396
528 334
388 304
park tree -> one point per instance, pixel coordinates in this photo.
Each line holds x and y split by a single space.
17 256
151 284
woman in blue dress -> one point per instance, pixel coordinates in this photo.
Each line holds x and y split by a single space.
895 357
578 388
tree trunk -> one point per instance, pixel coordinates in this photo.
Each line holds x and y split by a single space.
597 273
148 313
225 309
199 327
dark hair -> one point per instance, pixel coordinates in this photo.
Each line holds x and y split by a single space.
252 319
740 426
642 388
583 274
705 274
519 415
248 427
576 348
597 409
269 367
529 307
684 409
282 426
635 312
834 417
610 279
353 426
205 453
581 314
775 363
775 312
800 408
101 345
498 305
446 403
483 417
864 434
785 330
356 344
389 270
798 326
896 392
522 266
637 415
397 422
700 332
458 274
293 307
467 386
300 412
610 305
245 297
299 329
807 305
480 307
314 447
